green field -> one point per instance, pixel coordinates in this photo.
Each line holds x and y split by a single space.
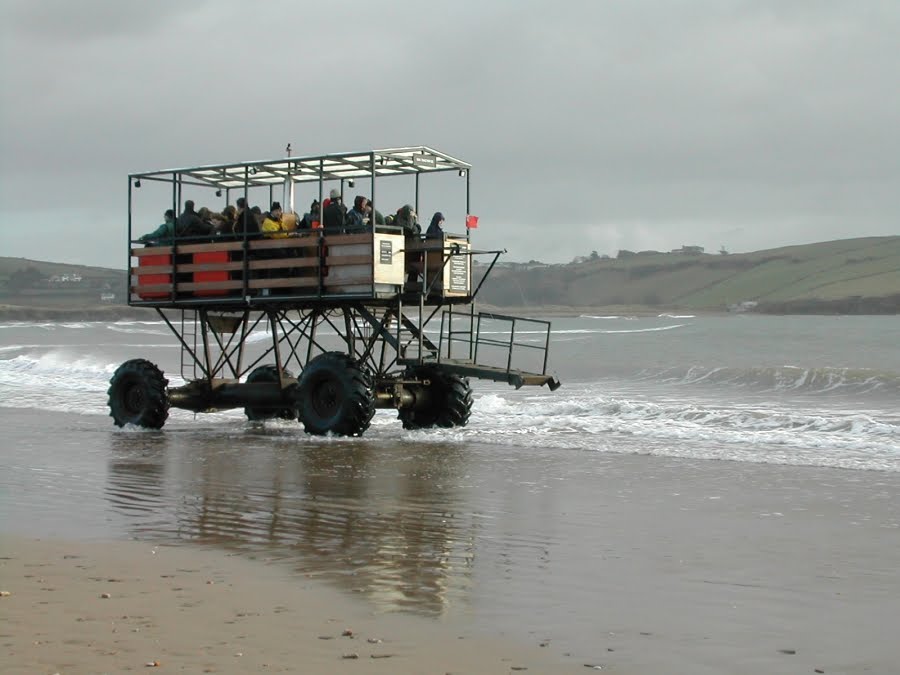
829 276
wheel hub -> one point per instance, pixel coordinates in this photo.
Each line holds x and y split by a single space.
134 399
326 398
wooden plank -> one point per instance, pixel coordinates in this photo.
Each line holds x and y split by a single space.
235 284
211 267
293 282
344 239
152 288
151 250
210 285
291 242
210 247
233 266
348 282
348 260
275 263
151 269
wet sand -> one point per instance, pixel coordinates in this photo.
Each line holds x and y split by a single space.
91 607
640 564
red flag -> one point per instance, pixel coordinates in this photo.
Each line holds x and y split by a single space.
471 222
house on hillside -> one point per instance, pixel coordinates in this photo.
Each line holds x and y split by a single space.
74 278
745 306
689 250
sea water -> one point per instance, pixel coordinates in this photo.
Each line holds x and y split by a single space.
818 391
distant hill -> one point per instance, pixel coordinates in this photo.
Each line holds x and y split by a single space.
848 276
44 289
845 276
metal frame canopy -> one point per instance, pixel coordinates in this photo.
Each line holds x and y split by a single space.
340 166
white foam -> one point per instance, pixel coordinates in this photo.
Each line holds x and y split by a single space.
55 380
697 429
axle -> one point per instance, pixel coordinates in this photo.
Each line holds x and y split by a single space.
202 396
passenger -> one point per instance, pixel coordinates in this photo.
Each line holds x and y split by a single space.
189 223
227 221
163 235
358 216
245 223
335 213
274 226
209 219
408 220
435 231
257 213
310 220
374 214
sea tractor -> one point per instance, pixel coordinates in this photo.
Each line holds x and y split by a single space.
321 325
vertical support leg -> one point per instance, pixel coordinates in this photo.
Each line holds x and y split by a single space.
276 347
399 328
240 359
207 353
388 317
350 333
421 317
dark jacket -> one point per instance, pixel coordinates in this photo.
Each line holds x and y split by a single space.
189 224
246 222
334 216
434 229
356 220
406 218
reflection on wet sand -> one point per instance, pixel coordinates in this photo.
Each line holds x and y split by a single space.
380 519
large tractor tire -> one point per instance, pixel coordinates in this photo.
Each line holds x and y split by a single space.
268 373
335 395
137 395
445 402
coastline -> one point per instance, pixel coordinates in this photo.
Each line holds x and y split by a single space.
87 313
823 308
123 312
82 606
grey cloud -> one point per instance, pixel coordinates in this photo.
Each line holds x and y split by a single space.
86 20
620 124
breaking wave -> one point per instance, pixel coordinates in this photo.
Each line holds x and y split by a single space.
694 429
783 378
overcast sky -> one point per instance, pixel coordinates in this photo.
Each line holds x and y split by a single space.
591 125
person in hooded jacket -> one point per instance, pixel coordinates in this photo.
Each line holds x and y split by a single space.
407 219
310 219
358 216
435 231
335 214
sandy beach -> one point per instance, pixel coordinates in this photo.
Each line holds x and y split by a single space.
110 607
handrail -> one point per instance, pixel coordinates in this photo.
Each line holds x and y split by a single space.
479 340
